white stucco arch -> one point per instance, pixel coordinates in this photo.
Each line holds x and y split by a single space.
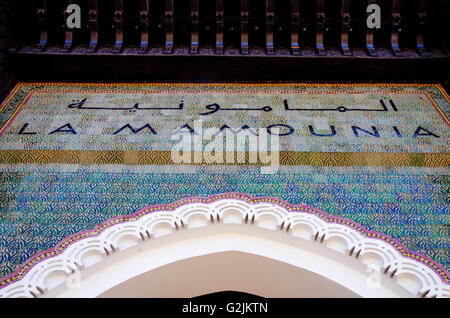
230 257
159 251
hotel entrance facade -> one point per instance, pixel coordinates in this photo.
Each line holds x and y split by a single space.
170 157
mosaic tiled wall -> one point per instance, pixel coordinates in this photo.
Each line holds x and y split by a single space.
376 154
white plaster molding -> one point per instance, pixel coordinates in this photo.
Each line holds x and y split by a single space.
417 277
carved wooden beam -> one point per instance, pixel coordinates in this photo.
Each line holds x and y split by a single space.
396 22
244 27
144 19
93 25
219 26
68 42
320 27
42 15
345 27
295 19
270 15
118 25
194 27
168 47
370 43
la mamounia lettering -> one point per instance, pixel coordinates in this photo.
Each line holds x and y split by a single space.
274 129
